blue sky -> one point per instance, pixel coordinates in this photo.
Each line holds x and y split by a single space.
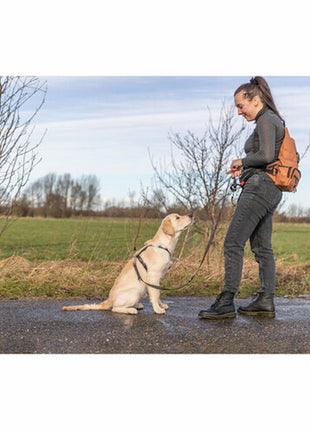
107 126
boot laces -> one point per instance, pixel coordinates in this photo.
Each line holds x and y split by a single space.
217 300
256 296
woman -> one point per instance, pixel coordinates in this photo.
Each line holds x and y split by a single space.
259 199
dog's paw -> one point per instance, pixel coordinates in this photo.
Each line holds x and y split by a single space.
124 310
69 308
159 311
164 306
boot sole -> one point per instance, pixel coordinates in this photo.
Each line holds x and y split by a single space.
218 317
265 314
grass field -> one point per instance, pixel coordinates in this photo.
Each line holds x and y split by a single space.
65 257
39 239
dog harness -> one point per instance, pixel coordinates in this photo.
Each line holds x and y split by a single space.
140 259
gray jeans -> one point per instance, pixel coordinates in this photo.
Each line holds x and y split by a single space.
252 220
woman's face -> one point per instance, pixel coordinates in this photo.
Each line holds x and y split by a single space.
248 108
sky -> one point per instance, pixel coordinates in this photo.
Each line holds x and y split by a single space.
112 126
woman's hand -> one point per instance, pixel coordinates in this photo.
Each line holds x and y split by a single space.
235 168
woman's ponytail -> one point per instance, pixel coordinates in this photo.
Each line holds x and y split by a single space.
258 86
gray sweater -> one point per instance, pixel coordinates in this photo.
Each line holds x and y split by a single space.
263 146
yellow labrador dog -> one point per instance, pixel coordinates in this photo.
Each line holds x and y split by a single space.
150 264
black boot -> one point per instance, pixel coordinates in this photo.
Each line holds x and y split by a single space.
262 306
223 307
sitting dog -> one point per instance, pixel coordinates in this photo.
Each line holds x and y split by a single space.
150 264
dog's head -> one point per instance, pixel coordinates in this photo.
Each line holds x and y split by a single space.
175 223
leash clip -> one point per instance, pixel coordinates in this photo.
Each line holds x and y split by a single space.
234 186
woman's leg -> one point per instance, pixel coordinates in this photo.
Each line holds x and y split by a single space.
248 214
259 198
260 241
261 246
252 219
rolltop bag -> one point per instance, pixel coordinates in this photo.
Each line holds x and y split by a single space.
284 171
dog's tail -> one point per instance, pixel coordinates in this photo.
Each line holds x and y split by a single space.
107 304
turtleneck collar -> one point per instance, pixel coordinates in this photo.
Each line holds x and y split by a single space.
260 113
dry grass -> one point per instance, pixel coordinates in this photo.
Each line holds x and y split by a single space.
63 278
292 280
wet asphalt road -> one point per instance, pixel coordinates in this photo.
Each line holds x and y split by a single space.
41 327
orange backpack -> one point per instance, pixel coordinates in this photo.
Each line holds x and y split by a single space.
284 171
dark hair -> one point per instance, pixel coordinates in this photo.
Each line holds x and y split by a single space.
259 87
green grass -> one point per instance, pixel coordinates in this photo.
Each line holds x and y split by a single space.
86 238
83 256
291 243
109 239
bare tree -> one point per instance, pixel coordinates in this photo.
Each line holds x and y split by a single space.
63 187
35 193
91 188
62 195
197 178
21 98
49 184
156 202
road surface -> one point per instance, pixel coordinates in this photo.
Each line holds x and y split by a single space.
40 327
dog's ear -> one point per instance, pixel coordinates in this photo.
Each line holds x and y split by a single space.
168 227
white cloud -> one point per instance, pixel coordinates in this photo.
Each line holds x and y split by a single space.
110 136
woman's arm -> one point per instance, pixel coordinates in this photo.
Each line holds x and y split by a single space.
266 130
